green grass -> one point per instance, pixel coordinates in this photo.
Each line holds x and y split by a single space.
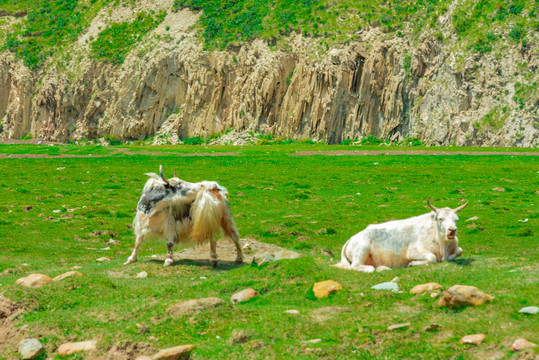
266 185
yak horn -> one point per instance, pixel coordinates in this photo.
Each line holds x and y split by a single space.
175 173
163 176
461 207
432 207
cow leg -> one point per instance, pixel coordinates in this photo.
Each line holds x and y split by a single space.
359 258
169 260
422 258
138 242
453 251
213 251
230 229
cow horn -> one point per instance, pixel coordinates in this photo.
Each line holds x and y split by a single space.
432 207
175 175
163 176
461 207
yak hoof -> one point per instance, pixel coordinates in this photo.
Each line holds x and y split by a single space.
168 262
213 263
239 260
129 261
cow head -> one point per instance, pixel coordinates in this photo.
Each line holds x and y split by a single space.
446 220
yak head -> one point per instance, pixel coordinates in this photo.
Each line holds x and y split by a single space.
446 220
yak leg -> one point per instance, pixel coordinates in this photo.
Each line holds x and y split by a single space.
421 257
213 251
169 260
453 251
138 242
230 229
359 258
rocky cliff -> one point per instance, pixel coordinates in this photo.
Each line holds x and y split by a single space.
376 84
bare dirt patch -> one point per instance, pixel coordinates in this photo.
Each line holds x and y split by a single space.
29 141
411 152
226 252
9 335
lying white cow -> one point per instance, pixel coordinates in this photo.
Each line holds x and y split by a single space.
419 240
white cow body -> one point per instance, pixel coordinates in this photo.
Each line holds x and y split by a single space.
419 240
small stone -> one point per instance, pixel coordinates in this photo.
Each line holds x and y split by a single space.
191 307
76 267
34 280
243 296
66 275
182 352
103 259
532 310
520 344
390 285
143 358
461 295
30 348
142 275
294 312
418 289
264 258
433 327
501 189
383 268
239 336
324 288
71 348
313 341
398 326
475 339
396 279
114 242
434 295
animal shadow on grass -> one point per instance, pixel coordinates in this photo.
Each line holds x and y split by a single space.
222 265
464 262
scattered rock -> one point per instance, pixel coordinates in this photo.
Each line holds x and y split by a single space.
382 268
390 285
475 339
71 348
521 344
433 327
182 352
239 336
396 279
434 295
294 312
498 189
34 280
197 306
267 257
313 341
399 326
418 289
30 348
103 259
324 288
243 296
461 295
532 310
142 275
66 275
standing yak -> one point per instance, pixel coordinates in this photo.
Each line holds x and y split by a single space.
182 213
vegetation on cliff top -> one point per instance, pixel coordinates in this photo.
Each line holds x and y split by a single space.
51 26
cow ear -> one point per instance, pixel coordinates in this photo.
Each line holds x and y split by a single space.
153 176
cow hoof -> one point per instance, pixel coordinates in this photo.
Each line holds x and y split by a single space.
129 261
168 262
213 263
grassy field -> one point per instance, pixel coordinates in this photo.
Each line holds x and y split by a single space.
310 204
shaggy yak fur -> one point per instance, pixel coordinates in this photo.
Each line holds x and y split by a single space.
181 213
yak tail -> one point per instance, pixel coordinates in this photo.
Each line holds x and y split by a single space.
206 213
345 263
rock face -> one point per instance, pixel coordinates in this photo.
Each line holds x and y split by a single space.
34 280
191 307
461 295
173 88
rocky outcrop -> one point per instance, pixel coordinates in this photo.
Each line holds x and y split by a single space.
169 86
